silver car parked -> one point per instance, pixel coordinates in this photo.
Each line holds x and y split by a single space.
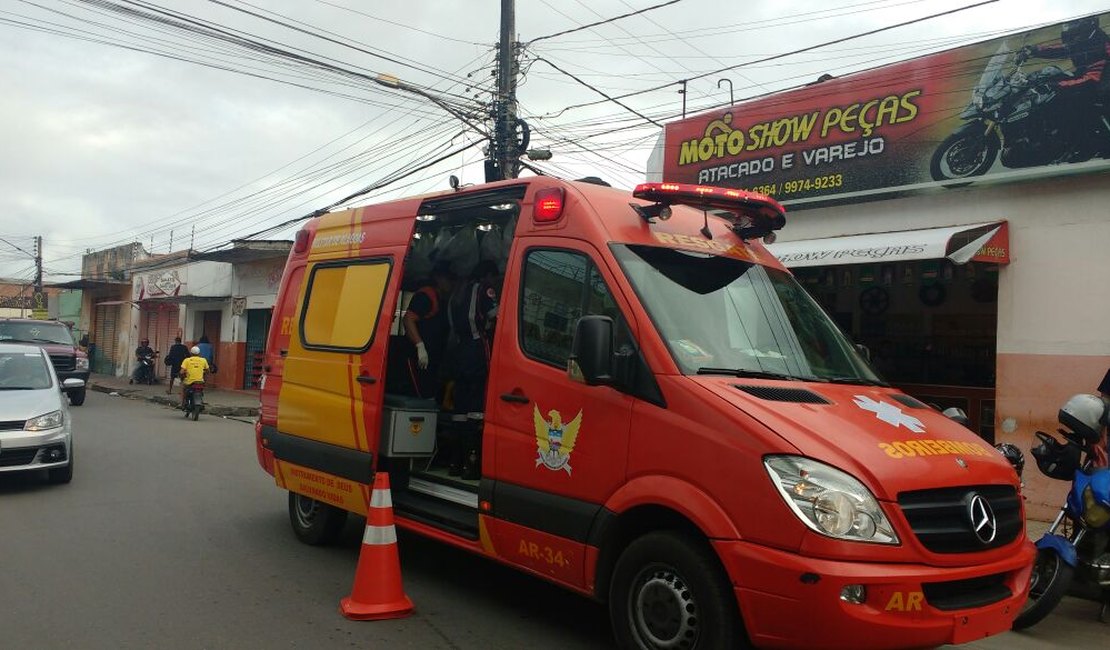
35 425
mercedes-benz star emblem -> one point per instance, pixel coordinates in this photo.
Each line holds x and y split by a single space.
982 519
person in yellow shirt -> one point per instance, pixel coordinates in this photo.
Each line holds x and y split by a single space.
193 369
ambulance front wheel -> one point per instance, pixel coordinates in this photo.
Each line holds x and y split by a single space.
669 591
313 522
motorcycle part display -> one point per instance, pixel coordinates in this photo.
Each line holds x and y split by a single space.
932 295
874 300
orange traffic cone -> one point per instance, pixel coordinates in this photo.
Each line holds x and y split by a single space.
377 592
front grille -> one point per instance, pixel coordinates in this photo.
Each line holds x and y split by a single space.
776 394
19 456
942 522
12 425
64 361
966 594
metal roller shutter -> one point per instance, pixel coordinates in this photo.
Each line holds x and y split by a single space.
104 336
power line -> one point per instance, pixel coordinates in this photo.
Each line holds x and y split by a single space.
600 92
32 255
366 190
602 22
786 54
397 24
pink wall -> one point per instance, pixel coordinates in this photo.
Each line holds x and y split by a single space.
1031 388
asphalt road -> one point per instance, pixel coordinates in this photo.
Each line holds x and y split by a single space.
171 536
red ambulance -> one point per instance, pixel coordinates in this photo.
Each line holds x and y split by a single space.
671 424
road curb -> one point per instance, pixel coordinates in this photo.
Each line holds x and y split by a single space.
170 401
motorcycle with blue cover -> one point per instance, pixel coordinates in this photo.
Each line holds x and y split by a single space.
1074 555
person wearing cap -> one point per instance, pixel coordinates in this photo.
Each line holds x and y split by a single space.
426 329
193 369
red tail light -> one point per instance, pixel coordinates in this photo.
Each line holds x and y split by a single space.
548 207
300 244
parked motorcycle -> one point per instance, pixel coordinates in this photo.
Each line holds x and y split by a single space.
1073 556
1013 112
194 400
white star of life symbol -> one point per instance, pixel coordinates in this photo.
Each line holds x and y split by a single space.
889 413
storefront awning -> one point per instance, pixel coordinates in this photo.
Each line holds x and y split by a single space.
982 242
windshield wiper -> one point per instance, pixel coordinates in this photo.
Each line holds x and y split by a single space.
34 340
854 380
741 372
17 388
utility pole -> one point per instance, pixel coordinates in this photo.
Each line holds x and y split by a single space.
501 163
38 264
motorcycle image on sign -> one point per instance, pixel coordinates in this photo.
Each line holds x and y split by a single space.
1016 117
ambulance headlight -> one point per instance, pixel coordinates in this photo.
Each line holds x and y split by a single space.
829 501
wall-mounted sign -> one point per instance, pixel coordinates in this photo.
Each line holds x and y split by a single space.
1024 102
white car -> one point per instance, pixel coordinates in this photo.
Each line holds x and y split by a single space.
35 425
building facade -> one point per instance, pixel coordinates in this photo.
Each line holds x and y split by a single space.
961 246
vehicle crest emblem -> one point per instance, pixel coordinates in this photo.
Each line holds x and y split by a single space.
555 440
889 413
982 518
961 462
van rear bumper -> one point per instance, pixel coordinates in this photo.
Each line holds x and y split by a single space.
791 601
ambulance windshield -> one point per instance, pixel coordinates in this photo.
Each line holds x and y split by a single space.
722 315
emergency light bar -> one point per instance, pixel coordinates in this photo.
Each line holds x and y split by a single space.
750 214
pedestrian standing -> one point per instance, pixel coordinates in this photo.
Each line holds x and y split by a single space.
178 353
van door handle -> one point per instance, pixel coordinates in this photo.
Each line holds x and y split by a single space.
283 352
367 379
517 398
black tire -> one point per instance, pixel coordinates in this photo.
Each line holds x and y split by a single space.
669 591
315 523
1050 581
77 397
970 151
62 475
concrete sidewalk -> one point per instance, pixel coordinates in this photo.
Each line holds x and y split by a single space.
229 403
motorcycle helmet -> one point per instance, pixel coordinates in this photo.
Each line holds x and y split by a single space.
1086 43
194 351
1012 454
956 414
1079 31
1056 459
1084 415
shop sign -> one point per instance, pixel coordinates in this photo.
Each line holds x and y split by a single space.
159 285
905 127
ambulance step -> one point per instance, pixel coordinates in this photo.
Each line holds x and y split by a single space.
440 490
445 515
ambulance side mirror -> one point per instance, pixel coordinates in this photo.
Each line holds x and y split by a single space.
591 354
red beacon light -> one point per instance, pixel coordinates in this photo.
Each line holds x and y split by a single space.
548 205
750 214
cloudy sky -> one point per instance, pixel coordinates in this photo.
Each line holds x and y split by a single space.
119 128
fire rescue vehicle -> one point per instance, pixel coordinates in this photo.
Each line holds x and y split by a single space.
672 425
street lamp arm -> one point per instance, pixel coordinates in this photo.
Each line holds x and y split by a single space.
389 81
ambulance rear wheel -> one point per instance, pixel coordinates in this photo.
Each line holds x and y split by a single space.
314 522
670 592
